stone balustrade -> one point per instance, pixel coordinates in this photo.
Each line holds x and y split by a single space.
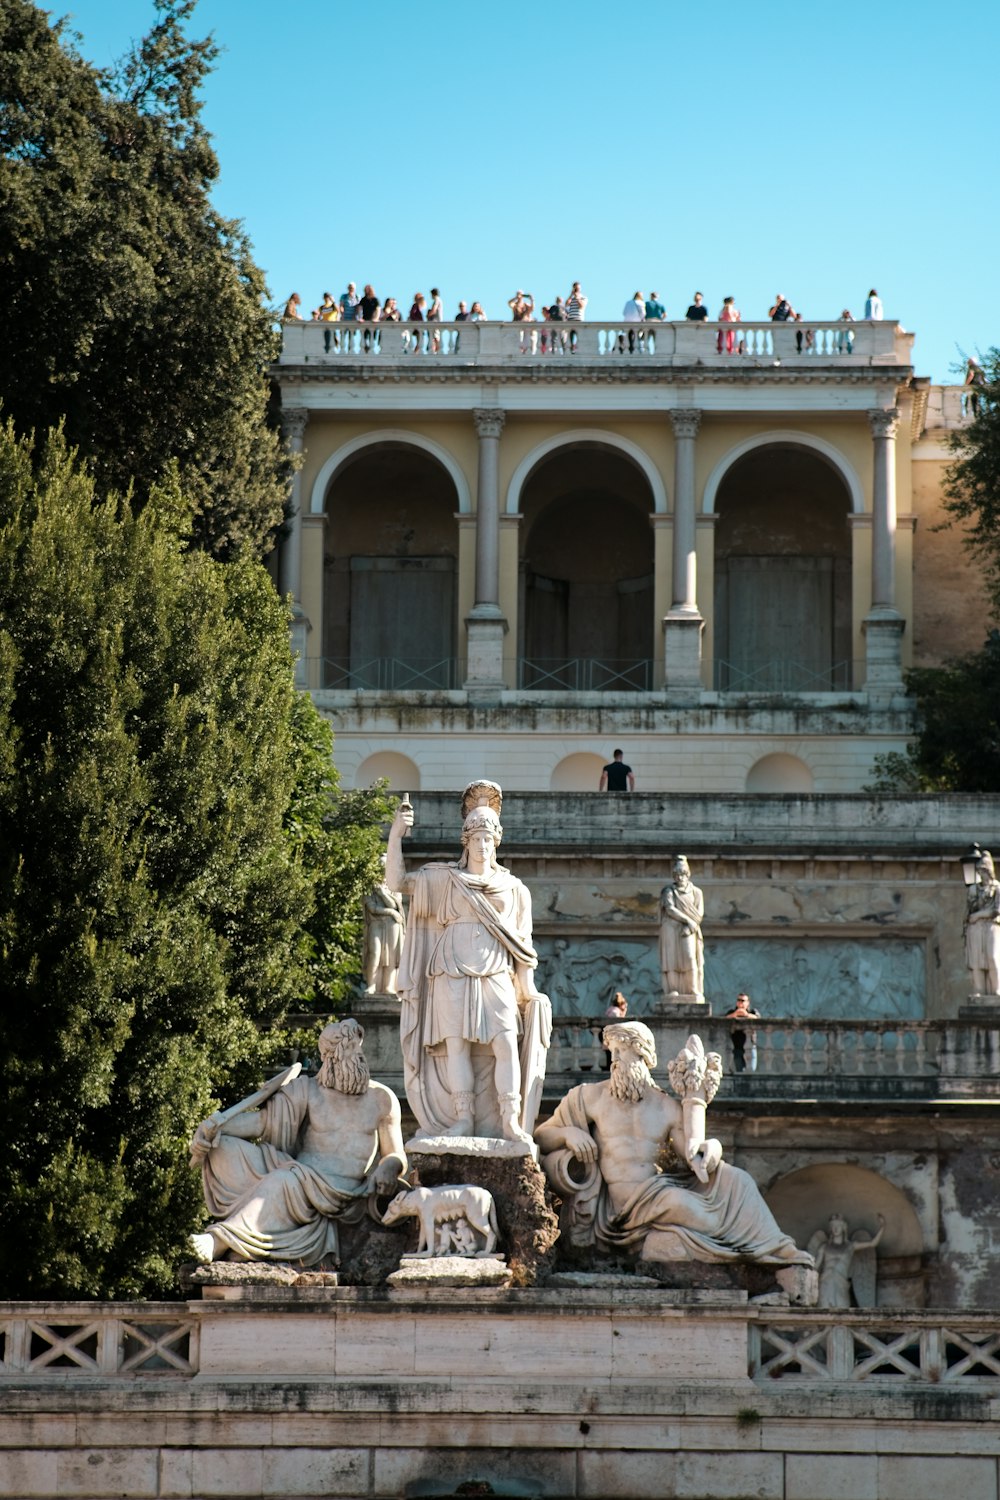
612 344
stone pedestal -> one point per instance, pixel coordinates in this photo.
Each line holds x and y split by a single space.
451 1270
527 1224
484 668
682 633
883 655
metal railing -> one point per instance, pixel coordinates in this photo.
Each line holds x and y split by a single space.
581 674
781 675
391 674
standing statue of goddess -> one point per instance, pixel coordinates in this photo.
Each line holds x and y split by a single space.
474 1029
982 929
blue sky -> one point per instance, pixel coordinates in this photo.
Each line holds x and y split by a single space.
737 148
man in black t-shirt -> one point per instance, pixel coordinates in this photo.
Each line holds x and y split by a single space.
697 312
617 777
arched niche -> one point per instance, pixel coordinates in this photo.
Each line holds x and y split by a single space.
783 572
780 772
803 1201
398 770
580 772
390 570
586 616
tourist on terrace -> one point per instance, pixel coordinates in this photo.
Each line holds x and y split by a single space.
655 310
743 1011
328 312
291 313
477 315
522 307
573 309
390 312
462 316
873 307
617 776
368 311
434 313
782 311
634 311
616 1013
349 303
697 312
845 338
729 313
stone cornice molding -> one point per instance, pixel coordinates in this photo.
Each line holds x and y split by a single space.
489 421
884 422
686 421
293 422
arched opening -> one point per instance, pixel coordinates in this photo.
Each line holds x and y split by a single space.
803 1201
580 772
780 773
586 619
391 563
782 574
388 765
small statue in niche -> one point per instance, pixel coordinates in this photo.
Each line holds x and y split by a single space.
682 950
385 928
846 1263
450 1218
982 928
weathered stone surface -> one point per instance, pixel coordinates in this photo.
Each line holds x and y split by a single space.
451 1270
528 1226
739 1276
599 1280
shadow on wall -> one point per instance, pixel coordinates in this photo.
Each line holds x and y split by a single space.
780 773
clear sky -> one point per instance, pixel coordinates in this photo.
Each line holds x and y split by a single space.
740 147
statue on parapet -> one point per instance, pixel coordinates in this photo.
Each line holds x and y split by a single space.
282 1168
385 928
473 1027
630 1161
846 1264
682 951
982 928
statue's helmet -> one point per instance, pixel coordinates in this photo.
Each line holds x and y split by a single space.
482 794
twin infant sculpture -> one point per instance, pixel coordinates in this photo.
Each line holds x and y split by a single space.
285 1168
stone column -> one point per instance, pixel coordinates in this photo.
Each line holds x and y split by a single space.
683 625
486 624
883 624
293 427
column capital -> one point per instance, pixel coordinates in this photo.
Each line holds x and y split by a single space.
489 420
686 421
884 421
293 422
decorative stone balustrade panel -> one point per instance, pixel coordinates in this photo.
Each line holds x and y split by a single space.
858 1348
680 343
99 1341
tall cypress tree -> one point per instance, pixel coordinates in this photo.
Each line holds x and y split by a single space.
151 902
133 312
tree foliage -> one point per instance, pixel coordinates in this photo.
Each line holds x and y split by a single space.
972 479
133 312
151 900
957 746
337 837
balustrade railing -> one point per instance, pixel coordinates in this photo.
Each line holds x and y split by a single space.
681 343
389 674
913 1348
84 1339
782 675
584 674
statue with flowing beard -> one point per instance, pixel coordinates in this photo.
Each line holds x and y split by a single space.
627 1159
278 1179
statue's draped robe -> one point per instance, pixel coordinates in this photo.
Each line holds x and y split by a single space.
982 939
683 952
464 935
724 1219
267 1205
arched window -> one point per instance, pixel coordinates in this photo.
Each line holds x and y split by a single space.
780 773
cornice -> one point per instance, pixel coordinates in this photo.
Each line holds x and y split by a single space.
478 375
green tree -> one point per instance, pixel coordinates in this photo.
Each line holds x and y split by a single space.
151 899
133 312
957 745
337 837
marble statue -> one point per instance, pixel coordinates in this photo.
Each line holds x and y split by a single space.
982 929
385 928
473 1027
682 953
628 1160
450 1219
844 1263
281 1168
